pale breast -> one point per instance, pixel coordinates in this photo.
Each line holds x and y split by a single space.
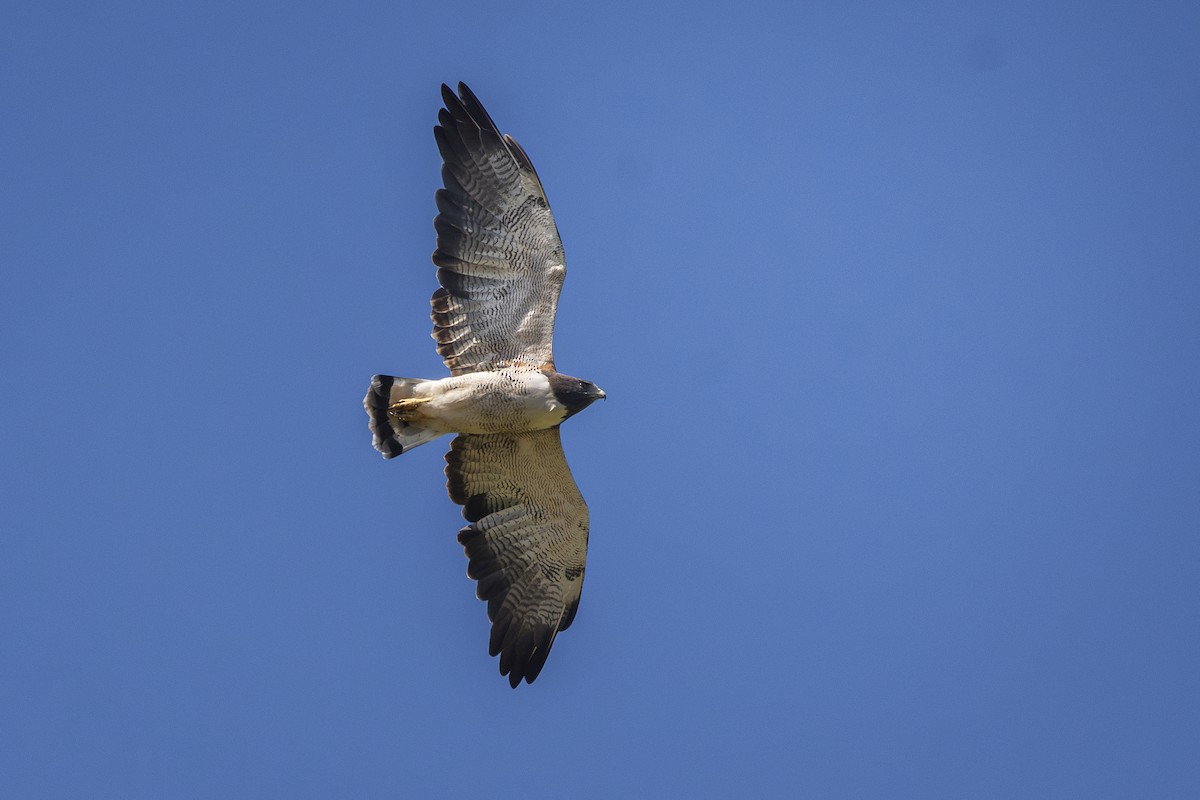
504 401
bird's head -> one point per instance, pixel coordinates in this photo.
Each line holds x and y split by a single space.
575 394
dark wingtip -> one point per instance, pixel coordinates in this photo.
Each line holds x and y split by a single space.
469 103
466 94
523 645
524 654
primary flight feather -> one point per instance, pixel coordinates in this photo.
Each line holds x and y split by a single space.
501 267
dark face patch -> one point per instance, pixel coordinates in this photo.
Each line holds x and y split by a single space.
575 394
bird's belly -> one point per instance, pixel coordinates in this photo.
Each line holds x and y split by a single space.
493 403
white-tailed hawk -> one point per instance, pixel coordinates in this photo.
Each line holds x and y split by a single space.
500 266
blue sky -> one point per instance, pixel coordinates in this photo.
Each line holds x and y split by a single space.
896 492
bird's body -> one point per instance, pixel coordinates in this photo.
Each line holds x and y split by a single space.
501 267
507 400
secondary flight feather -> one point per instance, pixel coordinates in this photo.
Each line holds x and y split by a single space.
501 268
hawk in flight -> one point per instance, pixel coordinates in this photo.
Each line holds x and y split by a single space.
500 266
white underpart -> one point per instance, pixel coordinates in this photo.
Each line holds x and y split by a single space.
503 401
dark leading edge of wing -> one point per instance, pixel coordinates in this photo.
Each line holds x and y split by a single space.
499 255
527 541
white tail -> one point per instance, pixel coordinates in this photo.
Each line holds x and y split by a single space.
390 436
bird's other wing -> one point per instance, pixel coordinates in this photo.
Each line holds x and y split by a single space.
499 255
527 541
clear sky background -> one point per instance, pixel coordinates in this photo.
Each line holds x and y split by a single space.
896 492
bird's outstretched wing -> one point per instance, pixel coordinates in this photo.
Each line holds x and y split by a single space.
499 255
527 541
